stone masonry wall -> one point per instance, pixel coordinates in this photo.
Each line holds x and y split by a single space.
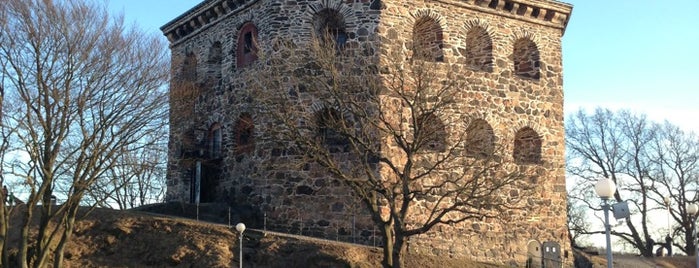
512 39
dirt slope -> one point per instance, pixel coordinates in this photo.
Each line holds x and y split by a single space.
110 238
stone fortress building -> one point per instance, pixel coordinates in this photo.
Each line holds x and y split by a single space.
511 49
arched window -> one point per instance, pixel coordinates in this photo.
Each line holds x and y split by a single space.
330 128
526 59
480 141
189 68
428 40
215 141
431 133
479 50
215 53
244 134
329 25
246 52
527 149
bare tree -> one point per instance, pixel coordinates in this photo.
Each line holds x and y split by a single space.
6 199
578 224
416 161
85 90
137 179
675 157
647 162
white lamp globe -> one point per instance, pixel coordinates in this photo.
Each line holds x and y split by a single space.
240 227
692 209
605 188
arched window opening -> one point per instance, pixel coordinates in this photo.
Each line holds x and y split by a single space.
479 50
526 59
216 53
480 140
428 40
189 68
215 141
431 133
330 129
246 52
527 147
244 134
329 25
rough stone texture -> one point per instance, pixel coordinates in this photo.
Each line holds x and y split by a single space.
508 51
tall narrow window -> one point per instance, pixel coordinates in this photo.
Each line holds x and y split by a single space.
247 45
329 25
331 126
480 141
189 68
215 141
527 149
431 133
244 134
428 40
526 59
479 50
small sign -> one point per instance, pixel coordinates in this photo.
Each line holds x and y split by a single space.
621 210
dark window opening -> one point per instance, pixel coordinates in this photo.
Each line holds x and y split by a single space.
215 141
329 26
248 43
189 68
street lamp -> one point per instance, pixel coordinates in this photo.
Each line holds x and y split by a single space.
240 227
668 238
667 205
692 210
605 189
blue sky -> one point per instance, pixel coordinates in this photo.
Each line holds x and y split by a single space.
641 55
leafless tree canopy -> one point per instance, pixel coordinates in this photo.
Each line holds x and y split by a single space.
648 161
398 123
82 91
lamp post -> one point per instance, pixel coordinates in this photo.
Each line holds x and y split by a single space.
240 227
667 205
605 189
692 210
668 238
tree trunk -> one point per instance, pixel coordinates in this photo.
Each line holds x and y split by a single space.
67 233
23 256
43 244
388 246
398 250
4 217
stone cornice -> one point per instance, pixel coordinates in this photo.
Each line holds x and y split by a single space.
544 12
202 15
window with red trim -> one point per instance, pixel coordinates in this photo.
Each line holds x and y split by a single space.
247 45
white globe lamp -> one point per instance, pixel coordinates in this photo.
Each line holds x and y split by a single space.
605 188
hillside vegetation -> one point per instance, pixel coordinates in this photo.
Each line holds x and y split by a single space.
113 238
